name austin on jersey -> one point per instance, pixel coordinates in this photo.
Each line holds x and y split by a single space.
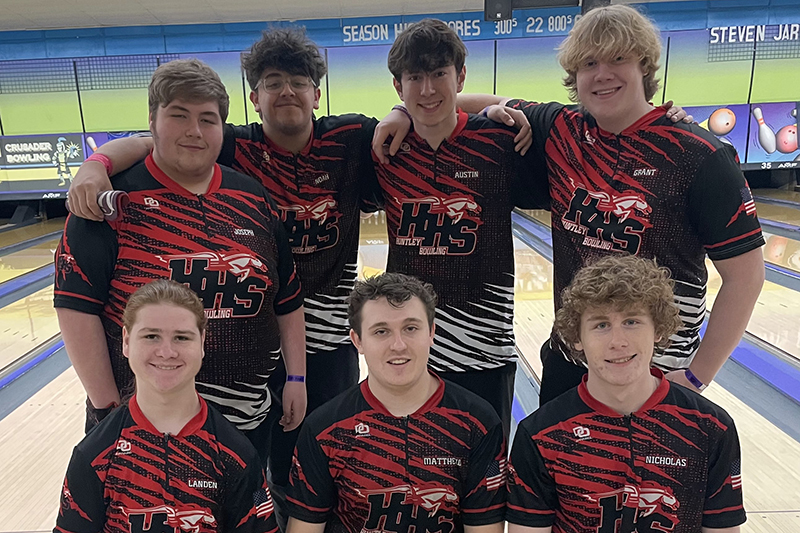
440 225
312 226
230 285
608 220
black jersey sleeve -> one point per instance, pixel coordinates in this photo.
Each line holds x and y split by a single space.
83 507
532 497
84 260
248 505
312 492
721 207
290 294
485 499
226 155
724 505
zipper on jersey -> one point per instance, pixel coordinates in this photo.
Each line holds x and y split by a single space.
632 462
616 162
296 176
405 448
167 488
436 166
206 225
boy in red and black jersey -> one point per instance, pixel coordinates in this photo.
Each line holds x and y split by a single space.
624 179
627 450
165 461
404 451
197 223
448 194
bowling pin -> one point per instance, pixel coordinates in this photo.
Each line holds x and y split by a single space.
766 137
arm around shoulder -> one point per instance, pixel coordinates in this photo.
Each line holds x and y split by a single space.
298 526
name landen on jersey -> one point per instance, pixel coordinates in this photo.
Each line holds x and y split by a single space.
202 484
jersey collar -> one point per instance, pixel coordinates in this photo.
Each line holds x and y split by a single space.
646 119
192 426
656 398
173 186
283 151
432 402
461 123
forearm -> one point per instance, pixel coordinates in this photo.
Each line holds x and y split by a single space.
124 153
298 526
729 317
293 341
475 103
85 341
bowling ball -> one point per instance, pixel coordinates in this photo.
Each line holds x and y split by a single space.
775 249
721 121
786 139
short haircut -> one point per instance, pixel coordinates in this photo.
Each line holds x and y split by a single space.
164 291
605 33
190 80
620 283
425 46
286 49
396 288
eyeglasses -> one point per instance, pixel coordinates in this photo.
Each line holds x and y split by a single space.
275 84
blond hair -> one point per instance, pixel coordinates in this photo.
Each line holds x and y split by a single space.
605 33
164 291
621 283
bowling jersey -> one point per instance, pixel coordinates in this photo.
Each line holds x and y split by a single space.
660 190
673 465
358 467
319 194
128 477
448 214
227 245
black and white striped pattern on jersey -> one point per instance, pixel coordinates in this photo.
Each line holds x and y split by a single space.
327 327
246 406
691 302
480 341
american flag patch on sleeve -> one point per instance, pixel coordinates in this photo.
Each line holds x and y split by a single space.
496 474
747 200
263 503
736 474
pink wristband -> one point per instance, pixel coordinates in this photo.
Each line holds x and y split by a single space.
100 158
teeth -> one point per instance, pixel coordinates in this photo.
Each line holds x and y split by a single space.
161 367
620 361
607 91
429 106
399 361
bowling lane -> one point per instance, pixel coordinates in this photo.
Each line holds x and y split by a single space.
23 261
25 324
782 195
16 236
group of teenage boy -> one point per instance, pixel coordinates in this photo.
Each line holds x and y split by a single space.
266 267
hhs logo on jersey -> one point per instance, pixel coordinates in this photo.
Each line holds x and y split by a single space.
425 507
607 220
166 519
231 285
439 225
312 226
648 508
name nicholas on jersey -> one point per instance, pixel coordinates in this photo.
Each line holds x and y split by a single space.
662 460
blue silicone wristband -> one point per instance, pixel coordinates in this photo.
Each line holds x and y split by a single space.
298 379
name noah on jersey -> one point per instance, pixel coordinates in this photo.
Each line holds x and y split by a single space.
663 460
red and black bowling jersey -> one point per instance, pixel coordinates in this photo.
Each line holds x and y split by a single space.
227 245
358 467
448 213
673 465
660 190
319 194
125 476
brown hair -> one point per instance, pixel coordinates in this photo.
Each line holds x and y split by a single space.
396 288
620 283
186 79
608 32
425 46
164 291
286 49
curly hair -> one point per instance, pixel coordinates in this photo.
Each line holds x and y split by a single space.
396 288
287 49
620 283
605 33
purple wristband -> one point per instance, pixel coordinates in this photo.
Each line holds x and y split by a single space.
298 379
485 112
403 109
699 385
